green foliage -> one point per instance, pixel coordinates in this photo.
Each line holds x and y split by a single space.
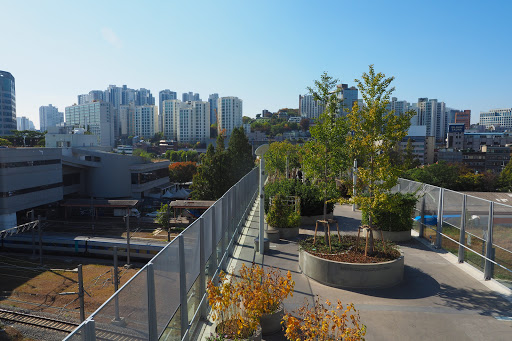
4 142
281 214
311 197
375 131
164 215
395 212
240 153
275 158
142 153
182 155
504 182
325 156
454 176
220 168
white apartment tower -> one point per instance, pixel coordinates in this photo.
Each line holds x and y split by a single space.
49 116
229 114
145 121
186 121
95 117
309 108
431 114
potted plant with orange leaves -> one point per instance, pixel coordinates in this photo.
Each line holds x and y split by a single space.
232 322
324 322
262 293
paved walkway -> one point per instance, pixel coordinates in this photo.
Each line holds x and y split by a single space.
438 299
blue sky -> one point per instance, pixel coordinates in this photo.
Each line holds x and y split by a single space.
264 52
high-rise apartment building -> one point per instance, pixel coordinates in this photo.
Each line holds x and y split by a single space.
496 118
229 114
92 96
7 103
432 114
309 108
23 123
190 96
145 121
126 120
96 117
164 95
348 97
463 117
49 116
143 97
213 99
186 121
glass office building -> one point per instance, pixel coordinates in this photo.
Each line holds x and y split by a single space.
7 103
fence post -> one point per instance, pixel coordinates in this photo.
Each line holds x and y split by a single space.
90 330
223 228
183 288
422 217
214 263
439 219
202 265
152 325
462 236
488 268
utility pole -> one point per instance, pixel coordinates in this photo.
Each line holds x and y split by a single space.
127 217
117 319
40 232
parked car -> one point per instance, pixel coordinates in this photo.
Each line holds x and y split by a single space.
152 214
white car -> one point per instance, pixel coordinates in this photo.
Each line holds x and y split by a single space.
152 214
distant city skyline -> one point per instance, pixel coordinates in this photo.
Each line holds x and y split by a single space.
264 60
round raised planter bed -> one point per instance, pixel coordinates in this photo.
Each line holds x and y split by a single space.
271 323
352 275
395 236
287 232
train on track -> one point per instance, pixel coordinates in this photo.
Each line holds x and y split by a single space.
82 246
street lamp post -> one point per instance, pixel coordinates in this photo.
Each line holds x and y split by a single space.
260 151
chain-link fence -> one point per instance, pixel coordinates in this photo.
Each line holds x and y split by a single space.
167 297
478 231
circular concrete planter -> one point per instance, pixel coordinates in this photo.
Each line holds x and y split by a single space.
352 275
271 323
398 236
287 232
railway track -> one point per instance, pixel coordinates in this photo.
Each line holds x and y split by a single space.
61 326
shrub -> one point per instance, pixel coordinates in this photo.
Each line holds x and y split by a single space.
395 214
311 197
325 322
281 214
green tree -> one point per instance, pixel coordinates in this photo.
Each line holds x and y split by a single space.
4 142
504 182
214 175
325 156
374 133
163 218
277 156
304 124
240 153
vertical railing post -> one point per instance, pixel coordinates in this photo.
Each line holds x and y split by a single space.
462 236
223 229
262 208
439 219
213 258
152 318
81 293
183 287
202 265
89 331
422 217
488 268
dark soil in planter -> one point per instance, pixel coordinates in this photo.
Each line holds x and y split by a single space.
346 250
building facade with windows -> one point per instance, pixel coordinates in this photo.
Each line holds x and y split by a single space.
496 117
23 123
213 100
146 121
49 116
309 108
7 103
96 117
186 121
229 114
